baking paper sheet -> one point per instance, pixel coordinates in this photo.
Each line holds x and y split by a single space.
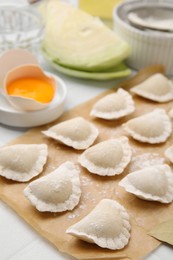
143 214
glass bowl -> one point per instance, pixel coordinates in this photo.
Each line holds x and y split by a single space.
21 27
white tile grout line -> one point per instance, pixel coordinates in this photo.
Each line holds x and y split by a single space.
19 251
40 240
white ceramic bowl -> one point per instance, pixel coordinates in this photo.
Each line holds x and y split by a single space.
13 117
148 46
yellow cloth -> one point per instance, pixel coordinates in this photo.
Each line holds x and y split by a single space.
101 8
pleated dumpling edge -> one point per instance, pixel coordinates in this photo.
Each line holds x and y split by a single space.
56 192
169 153
107 225
114 105
22 162
156 88
154 183
153 127
107 158
76 132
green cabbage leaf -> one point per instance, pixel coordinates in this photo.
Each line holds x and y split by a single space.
75 40
120 70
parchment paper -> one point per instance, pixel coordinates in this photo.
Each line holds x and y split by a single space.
143 214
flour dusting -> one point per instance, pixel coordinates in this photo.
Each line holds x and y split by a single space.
85 181
145 160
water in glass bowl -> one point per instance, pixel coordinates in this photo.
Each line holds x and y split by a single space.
20 27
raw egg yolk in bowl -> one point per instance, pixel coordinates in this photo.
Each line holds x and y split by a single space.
32 88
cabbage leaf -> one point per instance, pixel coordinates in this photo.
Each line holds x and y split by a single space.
79 41
120 70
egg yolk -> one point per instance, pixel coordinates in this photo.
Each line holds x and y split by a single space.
33 88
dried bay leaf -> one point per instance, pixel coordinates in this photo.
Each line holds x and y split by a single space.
163 232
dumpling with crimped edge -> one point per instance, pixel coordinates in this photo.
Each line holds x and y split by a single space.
56 192
153 183
114 105
107 226
169 153
107 158
156 88
22 162
76 132
170 113
153 127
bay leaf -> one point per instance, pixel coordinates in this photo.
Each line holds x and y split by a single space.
163 232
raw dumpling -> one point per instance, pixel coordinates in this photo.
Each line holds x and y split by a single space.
76 132
151 183
169 153
107 158
154 127
170 113
22 162
157 88
56 192
107 225
114 106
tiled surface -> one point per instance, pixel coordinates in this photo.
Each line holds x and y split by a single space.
13 230
18 241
